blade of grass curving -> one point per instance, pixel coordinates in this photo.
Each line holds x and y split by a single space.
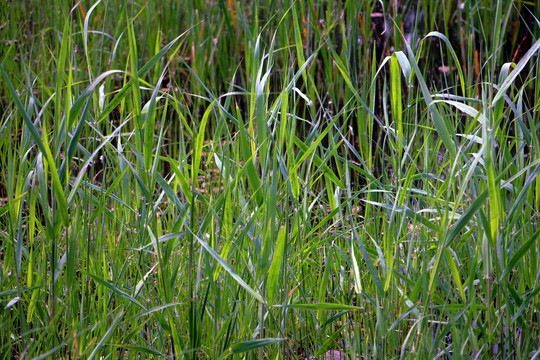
514 74
106 196
50 352
115 289
320 162
73 143
246 346
227 268
82 99
82 171
466 217
168 191
531 296
56 182
153 310
314 145
401 318
518 255
405 210
106 336
453 234
85 37
522 197
128 87
436 116
184 183
454 55
43 147
469 110
133 349
12 292
26 118
404 64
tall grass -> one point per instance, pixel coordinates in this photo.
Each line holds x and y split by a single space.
290 179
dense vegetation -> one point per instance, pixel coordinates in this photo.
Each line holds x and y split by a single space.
282 179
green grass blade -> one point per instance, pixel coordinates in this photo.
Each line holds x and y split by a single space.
246 346
128 87
275 267
436 117
515 73
229 269
198 146
320 306
115 290
519 255
106 336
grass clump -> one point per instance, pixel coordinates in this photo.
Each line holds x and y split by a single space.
290 179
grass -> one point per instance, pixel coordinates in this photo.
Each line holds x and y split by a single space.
288 179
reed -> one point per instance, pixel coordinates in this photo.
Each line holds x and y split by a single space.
284 179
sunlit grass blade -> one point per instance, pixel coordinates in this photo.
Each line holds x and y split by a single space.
517 70
128 87
436 117
396 96
115 290
275 267
454 56
321 306
229 269
198 146
246 346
